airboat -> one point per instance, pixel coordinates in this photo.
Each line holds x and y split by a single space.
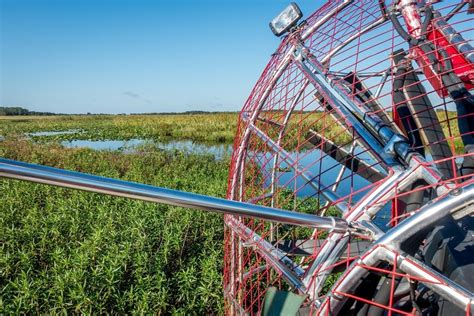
350 190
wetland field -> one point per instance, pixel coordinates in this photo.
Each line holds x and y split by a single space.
65 251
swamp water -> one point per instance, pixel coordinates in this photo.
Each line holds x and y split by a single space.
219 151
287 178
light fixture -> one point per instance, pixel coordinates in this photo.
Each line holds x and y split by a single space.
287 19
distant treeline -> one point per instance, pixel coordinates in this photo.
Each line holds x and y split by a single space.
10 111
7 111
20 111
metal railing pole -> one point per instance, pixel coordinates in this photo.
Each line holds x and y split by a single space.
81 181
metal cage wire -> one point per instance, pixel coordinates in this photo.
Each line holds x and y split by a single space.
296 150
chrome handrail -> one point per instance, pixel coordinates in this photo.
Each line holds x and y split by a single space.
86 182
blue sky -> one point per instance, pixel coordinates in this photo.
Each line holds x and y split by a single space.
123 56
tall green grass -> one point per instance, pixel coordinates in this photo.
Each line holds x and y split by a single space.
211 128
65 251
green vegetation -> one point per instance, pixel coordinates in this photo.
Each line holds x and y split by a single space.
64 251
200 127
210 128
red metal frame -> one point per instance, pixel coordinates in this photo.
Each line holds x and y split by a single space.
368 56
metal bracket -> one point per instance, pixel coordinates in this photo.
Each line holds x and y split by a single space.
390 148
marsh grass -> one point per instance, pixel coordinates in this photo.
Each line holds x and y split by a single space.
65 251
210 128
203 128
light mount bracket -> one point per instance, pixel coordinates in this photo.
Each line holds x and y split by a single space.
286 20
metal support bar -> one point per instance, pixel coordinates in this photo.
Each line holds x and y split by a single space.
347 158
390 242
81 181
327 194
340 99
291 271
349 111
382 83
